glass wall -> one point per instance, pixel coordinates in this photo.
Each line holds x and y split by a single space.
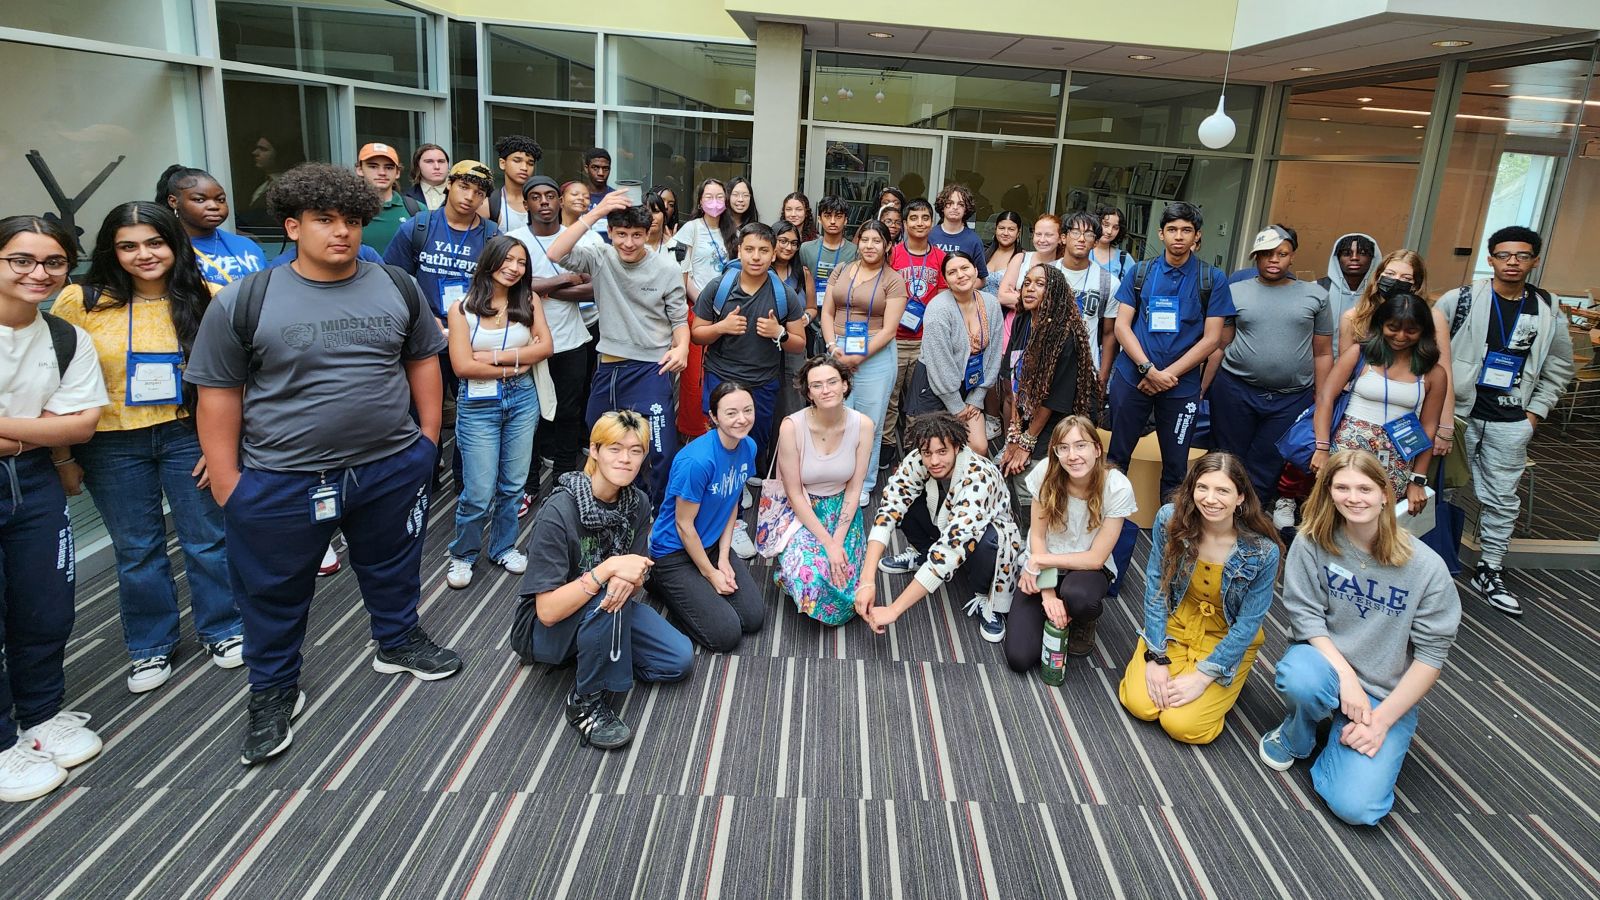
563 135
948 96
1127 109
1382 116
677 151
1002 175
1323 200
464 94
541 63
688 75
368 40
159 25
1140 183
273 126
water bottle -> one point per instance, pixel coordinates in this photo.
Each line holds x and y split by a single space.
1053 657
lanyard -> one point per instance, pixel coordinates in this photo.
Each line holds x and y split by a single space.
849 294
477 321
821 246
983 323
712 237
1500 323
1414 407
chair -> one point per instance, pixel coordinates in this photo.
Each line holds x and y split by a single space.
1144 471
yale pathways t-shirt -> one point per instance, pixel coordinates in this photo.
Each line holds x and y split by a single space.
331 391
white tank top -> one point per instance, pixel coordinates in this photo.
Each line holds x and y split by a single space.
512 336
1367 399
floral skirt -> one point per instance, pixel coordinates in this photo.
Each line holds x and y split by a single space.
802 571
1356 434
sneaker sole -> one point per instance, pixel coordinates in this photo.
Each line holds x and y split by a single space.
81 757
1271 763
992 637
892 569
288 734
388 668
34 793
1515 611
458 587
144 687
324 573
227 662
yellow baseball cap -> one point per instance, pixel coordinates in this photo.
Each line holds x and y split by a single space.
472 167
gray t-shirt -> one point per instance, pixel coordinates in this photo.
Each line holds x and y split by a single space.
331 391
1271 346
640 303
747 358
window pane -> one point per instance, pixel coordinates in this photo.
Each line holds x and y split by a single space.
163 26
464 92
1322 200
858 172
273 126
678 152
1382 117
1126 109
541 63
1002 175
922 93
562 134
1141 183
367 40
688 75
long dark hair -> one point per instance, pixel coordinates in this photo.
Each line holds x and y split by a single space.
1183 529
109 286
1406 309
670 222
808 226
1057 325
725 224
994 242
11 226
797 278
480 294
750 215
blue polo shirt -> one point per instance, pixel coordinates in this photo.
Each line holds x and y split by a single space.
446 259
707 473
1182 286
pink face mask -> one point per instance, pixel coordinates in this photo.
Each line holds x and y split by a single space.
713 207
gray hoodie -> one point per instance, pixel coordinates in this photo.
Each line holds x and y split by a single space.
1340 297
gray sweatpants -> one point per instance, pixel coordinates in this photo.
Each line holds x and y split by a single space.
1497 454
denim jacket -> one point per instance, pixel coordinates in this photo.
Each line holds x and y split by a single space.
1248 578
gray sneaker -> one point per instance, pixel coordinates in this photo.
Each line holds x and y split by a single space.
597 723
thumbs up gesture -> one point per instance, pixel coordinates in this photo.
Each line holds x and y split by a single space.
735 323
768 325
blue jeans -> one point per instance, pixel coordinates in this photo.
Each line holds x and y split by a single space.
870 388
495 437
127 472
1248 422
36 589
1175 411
1357 788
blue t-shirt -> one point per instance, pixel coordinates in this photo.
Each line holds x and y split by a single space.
226 257
707 473
967 241
365 254
444 264
1180 288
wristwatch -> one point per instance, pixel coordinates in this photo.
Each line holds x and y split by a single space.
1419 479
1160 659
1144 368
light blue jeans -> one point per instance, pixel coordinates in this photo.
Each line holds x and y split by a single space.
1357 788
495 437
870 388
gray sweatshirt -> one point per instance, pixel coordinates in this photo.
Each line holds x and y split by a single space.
945 348
1380 617
640 303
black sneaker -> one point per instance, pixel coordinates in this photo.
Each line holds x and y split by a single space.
268 733
1080 637
597 723
907 560
420 656
1489 582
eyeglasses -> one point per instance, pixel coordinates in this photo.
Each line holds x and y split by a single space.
24 265
788 242
1521 255
1078 447
1079 233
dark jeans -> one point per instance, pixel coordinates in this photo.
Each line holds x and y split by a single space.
976 572
1083 593
1175 411
712 620
647 648
1248 421
560 439
275 548
36 591
641 387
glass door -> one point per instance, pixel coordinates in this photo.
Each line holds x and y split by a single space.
401 122
858 165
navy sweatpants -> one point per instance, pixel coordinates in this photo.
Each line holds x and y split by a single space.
1248 421
274 548
1175 411
641 387
766 402
36 585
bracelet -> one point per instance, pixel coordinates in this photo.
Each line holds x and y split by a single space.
1027 441
1323 445
1032 571
598 587
590 575
495 359
63 462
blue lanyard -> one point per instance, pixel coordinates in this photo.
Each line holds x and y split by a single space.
712 237
849 295
1414 407
477 321
821 246
1500 323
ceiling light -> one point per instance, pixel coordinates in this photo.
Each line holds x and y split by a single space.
1418 112
1566 100
1140 56
1419 126
1324 119
1501 84
1407 112
1304 69
1363 99
1448 44
880 35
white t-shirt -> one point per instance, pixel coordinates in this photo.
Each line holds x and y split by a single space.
1095 308
31 382
1116 502
705 255
567 327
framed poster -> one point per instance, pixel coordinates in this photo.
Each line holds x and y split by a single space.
1171 184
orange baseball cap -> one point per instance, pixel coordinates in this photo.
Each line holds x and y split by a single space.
368 151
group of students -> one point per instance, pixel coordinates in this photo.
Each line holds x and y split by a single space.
271 404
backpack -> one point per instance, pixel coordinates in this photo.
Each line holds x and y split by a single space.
64 338
1141 271
417 237
730 277
253 292
1464 305
411 205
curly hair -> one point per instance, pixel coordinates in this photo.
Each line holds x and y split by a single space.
802 378
1183 529
953 191
1057 326
941 426
319 186
515 143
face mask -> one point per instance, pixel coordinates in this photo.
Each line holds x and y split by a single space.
1388 287
713 207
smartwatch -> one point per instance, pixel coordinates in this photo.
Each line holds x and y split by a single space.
1419 479
1144 369
1162 659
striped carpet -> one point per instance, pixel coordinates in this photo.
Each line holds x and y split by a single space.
811 763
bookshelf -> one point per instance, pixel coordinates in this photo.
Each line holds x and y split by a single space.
859 190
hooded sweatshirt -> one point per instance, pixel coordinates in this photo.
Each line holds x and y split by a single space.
1340 297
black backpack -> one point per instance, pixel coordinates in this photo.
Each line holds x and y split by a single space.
253 292
64 338
1464 305
1142 271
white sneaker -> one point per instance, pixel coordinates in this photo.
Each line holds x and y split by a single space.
743 547
459 574
27 774
330 562
747 499
227 653
866 501
65 738
1283 513
149 673
513 561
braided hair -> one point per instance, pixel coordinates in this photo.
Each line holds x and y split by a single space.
1057 324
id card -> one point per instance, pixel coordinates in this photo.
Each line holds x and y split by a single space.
452 291
855 338
911 319
1407 436
1500 371
326 502
483 389
974 375
1163 315
153 383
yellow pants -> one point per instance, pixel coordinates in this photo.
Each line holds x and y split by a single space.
1193 630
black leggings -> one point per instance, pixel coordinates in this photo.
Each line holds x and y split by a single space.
1082 592
976 572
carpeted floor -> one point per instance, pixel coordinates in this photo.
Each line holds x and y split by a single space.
810 763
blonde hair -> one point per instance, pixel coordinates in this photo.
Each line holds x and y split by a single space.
1367 304
1322 519
1055 492
611 428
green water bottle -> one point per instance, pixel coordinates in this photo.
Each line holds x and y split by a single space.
1053 656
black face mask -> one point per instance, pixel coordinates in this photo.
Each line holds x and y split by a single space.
1388 287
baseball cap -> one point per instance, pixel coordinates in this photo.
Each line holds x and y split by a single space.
1269 238
473 168
540 181
368 151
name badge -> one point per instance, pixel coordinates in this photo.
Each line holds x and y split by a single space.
1500 371
1407 436
326 502
1163 315
855 338
452 291
974 376
483 389
911 319
153 379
